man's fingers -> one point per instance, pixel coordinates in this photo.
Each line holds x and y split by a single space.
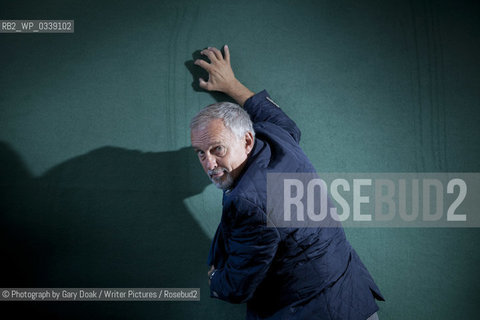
211 270
210 54
218 53
204 64
227 53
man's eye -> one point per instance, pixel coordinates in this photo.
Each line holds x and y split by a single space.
200 153
220 150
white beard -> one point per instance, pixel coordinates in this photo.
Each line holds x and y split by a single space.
224 182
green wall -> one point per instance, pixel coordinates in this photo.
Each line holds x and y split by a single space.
99 187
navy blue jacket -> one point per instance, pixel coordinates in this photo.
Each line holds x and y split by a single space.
283 273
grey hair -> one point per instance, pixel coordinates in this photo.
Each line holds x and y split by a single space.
234 118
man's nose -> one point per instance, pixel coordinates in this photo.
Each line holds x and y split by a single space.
211 163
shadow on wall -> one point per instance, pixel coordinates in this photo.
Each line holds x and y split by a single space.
109 218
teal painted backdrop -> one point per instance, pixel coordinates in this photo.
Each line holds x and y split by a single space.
99 187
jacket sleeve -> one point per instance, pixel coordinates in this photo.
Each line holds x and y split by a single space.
261 108
216 255
251 247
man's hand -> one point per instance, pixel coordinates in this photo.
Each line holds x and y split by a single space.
220 75
212 268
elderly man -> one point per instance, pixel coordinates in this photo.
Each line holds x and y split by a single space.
281 273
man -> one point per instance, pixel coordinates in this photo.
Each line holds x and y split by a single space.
281 273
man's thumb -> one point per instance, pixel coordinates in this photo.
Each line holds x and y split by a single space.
203 84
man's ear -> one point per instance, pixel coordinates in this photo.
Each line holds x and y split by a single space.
249 142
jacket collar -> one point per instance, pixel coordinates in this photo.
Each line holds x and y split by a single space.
255 157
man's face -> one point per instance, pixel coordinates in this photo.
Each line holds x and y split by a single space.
220 152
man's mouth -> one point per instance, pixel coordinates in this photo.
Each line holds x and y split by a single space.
216 173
